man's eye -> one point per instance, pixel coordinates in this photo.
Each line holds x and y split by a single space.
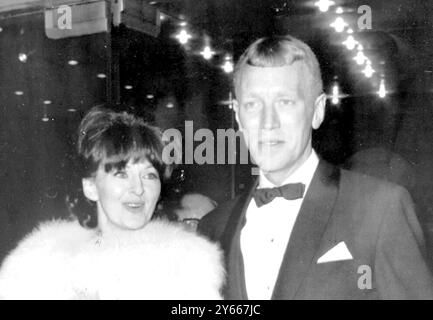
251 105
286 102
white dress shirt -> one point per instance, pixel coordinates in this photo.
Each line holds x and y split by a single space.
266 233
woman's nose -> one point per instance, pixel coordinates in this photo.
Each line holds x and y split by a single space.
137 185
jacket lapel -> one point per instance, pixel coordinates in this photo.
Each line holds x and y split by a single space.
235 288
307 232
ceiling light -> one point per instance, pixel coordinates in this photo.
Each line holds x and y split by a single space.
350 43
72 62
101 75
22 57
128 87
150 96
183 36
324 5
228 64
360 58
335 94
339 24
368 70
170 105
47 102
207 53
382 90
72 110
19 93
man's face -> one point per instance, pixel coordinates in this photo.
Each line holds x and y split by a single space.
276 113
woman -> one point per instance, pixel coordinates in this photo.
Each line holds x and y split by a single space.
127 255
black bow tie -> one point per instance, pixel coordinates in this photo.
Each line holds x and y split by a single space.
291 191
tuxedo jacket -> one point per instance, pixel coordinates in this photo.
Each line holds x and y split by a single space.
374 219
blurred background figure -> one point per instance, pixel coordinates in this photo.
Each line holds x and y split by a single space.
383 164
192 207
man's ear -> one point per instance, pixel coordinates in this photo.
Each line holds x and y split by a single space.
319 111
236 110
89 189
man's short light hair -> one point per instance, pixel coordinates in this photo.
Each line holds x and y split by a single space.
279 51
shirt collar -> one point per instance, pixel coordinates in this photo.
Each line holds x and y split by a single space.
303 174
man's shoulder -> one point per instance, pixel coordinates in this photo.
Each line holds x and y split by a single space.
368 186
214 223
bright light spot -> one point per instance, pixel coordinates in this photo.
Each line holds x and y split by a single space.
128 87
22 57
350 31
170 105
150 96
19 93
324 5
382 90
368 70
72 110
207 53
339 10
335 94
152 2
228 64
72 62
339 24
183 24
183 36
350 43
360 47
47 101
360 58
1 29
101 75
161 17
45 119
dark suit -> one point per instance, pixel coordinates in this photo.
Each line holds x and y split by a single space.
376 221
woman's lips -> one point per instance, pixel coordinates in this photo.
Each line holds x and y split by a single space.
134 207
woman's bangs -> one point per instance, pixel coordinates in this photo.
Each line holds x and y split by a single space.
133 146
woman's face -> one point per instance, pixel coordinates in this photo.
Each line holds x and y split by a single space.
125 198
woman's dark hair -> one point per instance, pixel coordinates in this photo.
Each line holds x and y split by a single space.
112 139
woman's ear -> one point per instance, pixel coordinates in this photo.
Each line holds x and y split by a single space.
89 189
319 111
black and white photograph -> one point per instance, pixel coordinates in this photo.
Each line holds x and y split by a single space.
216 150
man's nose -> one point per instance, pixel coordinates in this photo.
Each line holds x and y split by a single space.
137 185
270 118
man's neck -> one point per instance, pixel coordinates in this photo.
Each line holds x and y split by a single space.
279 177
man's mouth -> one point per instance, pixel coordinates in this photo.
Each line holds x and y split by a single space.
271 142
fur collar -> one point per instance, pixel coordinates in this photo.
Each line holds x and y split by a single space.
62 260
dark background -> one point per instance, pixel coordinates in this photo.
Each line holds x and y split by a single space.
388 137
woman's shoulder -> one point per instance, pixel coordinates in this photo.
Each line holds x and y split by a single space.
168 233
38 266
53 235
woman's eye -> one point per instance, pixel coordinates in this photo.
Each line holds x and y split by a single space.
120 174
151 176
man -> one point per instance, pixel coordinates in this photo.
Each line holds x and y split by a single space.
327 233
